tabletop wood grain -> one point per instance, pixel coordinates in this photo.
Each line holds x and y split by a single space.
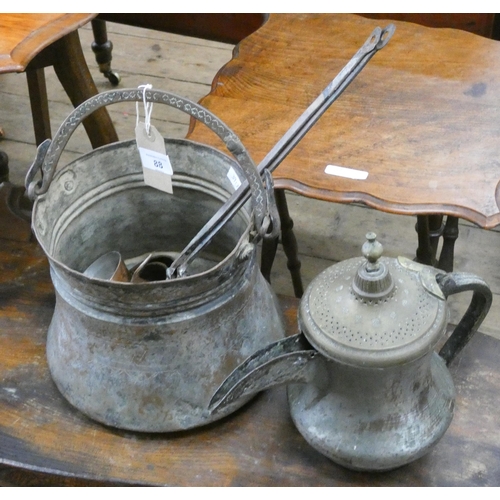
422 118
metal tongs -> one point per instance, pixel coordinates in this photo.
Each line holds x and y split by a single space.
377 40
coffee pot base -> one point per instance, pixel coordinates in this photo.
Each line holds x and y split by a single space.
365 431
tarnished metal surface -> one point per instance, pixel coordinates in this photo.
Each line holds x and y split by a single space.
377 395
377 332
285 361
148 356
158 372
374 419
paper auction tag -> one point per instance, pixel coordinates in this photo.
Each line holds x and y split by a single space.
156 165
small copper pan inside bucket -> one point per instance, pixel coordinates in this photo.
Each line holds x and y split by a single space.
109 266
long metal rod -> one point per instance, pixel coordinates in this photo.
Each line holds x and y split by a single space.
377 40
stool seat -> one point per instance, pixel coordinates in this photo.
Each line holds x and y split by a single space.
29 43
26 35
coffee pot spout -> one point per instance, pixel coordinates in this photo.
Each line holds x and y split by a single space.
282 362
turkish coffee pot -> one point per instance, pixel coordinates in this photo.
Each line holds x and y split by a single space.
366 386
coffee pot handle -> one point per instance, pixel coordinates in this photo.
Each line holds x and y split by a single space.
451 284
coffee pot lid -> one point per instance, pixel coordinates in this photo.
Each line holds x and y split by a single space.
374 310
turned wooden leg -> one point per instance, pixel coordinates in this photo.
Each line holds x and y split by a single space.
4 167
424 253
289 242
71 69
102 48
436 228
450 235
39 105
269 248
429 229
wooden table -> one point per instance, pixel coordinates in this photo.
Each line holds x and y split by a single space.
422 119
44 441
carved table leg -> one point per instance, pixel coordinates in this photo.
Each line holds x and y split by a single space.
436 228
4 167
289 243
39 105
424 253
71 69
450 235
102 48
269 247
429 229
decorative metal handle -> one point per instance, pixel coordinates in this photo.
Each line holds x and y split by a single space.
480 304
48 153
282 362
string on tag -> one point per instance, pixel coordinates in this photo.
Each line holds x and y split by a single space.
148 108
156 167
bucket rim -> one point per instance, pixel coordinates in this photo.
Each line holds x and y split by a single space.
238 249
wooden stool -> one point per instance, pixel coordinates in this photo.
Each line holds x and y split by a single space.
29 43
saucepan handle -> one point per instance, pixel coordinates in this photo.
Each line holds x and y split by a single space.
451 284
49 152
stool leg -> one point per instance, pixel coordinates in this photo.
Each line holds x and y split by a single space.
102 48
71 69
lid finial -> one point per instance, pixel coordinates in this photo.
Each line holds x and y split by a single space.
372 251
372 280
